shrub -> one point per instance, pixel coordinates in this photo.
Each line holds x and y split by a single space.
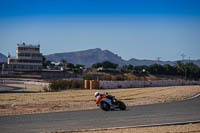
120 78
46 89
106 77
87 77
77 84
57 85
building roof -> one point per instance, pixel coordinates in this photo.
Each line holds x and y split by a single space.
27 45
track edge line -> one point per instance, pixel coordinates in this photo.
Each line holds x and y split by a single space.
138 126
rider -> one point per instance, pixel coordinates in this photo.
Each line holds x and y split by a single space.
98 97
101 96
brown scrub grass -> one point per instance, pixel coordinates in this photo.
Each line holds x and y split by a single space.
80 99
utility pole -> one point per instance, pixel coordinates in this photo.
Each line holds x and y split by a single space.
189 59
2 69
183 56
185 71
158 60
143 73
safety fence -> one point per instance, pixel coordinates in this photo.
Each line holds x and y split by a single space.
95 84
24 82
137 84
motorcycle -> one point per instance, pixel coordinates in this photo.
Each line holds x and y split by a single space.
109 102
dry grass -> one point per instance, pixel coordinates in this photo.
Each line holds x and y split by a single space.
23 103
188 128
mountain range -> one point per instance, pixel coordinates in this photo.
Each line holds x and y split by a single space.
3 58
92 56
87 57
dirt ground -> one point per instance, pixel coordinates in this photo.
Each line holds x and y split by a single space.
188 128
38 101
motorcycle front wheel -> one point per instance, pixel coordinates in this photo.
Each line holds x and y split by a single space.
122 106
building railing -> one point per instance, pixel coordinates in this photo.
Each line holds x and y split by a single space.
28 45
22 63
27 51
24 82
30 57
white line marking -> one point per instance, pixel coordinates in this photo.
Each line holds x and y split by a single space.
195 96
139 126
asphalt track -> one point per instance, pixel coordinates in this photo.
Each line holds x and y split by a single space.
156 114
7 89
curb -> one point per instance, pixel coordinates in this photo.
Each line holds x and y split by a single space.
138 126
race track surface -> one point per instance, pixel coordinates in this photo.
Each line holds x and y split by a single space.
187 110
9 89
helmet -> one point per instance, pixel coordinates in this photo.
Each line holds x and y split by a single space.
96 94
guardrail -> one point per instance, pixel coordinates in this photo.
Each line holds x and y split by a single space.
138 84
24 82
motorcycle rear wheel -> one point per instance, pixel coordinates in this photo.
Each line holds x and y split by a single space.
104 106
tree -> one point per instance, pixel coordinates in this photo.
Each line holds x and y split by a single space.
192 71
64 62
70 65
188 70
45 62
156 69
79 66
106 65
169 70
127 68
180 68
48 62
139 69
97 65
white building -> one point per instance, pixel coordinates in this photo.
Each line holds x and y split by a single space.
28 58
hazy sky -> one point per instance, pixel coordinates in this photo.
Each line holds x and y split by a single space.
142 29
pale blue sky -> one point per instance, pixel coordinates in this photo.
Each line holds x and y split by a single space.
130 29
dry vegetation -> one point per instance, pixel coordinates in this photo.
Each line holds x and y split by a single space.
23 103
188 128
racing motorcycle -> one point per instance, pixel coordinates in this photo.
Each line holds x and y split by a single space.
109 102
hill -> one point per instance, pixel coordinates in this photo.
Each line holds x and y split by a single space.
3 58
87 57
92 56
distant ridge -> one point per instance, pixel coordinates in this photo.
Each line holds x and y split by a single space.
87 57
92 56
3 58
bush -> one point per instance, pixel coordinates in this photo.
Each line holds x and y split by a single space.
77 84
46 89
87 77
106 77
57 85
114 77
120 78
